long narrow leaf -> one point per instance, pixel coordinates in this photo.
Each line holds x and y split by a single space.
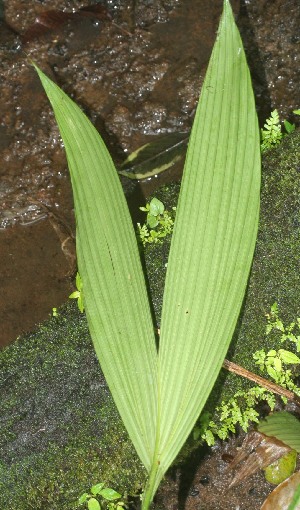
212 245
114 289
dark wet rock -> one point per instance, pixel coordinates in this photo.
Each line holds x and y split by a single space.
136 76
271 34
132 84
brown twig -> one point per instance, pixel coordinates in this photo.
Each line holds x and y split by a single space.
274 388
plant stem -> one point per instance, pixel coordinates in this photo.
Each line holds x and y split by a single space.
149 489
274 388
152 484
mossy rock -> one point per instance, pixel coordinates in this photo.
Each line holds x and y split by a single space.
275 275
60 431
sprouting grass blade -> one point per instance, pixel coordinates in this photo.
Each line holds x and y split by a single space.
116 300
212 245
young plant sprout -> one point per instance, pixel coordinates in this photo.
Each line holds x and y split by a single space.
160 392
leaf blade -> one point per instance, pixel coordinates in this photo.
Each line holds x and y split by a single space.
213 241
116 300
284 426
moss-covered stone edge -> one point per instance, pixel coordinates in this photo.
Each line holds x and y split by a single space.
59 434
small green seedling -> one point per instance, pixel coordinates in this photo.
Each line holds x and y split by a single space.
159 222
208 265
238 410
241 409
78 294
290 332
107 498
154 209
272 135
274 363
54 312
288 126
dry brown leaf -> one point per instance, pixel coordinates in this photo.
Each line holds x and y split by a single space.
256 452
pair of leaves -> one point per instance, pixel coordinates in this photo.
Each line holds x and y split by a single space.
161 394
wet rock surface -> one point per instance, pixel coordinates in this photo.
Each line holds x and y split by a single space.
136 72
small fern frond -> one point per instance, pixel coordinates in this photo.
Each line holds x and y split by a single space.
271 135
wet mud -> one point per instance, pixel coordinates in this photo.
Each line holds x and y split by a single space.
135 68
204 484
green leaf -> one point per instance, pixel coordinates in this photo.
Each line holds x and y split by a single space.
288 357
212 244
78 282
74 295
95 489
80 302
272 353
93 504
272 372
110 494
152 221
156 207
83 498
284 426
277 364
289 127
115 295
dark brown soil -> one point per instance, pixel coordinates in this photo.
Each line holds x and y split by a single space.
207 488
204 482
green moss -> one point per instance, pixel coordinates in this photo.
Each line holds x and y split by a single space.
60 430
275 271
